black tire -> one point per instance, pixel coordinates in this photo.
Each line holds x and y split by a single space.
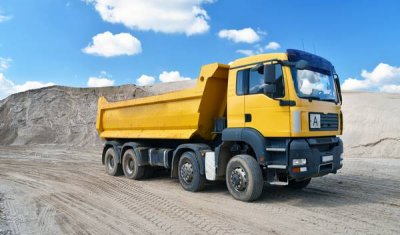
130 166
298 184
110 162
189 173
244 178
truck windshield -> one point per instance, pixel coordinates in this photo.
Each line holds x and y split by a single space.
314 85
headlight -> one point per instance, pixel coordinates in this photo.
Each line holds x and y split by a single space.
299 162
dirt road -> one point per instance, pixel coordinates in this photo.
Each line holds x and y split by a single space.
44 190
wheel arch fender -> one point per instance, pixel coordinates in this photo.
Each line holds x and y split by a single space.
143 160
198 149
250 136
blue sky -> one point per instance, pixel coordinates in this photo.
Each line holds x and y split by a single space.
43 42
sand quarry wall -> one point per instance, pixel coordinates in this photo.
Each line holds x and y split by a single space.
65 115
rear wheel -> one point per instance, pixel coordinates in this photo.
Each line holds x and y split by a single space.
244 178
189 173
110 162
130 166
298 184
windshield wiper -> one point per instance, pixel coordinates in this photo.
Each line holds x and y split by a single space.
332 100
311 98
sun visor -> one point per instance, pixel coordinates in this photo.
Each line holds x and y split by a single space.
315 63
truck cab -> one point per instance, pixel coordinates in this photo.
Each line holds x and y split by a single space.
293 102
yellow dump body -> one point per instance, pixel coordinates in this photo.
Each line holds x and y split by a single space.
185 114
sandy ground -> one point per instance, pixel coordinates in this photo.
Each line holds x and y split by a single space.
44 190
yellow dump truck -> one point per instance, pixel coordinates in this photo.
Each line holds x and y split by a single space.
269 118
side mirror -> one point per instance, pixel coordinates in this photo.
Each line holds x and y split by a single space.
269 74
301 64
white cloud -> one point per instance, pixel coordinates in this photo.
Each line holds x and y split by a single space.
165 76
384 78
258 49
108 45
245 52
172 16
390 89
355 84
273 46
172 76
4 63
382 73
7 87
99 82
145 80
29 85
4 18
246 35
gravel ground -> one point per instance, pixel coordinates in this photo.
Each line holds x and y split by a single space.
48 190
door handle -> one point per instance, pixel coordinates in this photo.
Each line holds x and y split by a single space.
247 117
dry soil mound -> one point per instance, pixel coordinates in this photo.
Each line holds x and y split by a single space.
65 115
371 124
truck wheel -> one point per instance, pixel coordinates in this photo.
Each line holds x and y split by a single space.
110 162
130 166
244 178
189 173
298 184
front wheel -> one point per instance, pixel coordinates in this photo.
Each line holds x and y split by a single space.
298 184
244 178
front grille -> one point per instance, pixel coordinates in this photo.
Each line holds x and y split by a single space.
329 122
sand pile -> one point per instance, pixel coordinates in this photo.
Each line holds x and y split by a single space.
65 115
371 124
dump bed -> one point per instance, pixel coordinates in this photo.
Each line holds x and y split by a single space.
184 114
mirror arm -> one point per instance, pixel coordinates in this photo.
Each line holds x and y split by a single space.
287 63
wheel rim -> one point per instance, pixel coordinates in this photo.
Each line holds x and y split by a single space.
239 179
130 166
110 162
187 172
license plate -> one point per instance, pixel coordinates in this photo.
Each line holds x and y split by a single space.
327 158
315 121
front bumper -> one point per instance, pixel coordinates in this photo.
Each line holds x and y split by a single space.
315 151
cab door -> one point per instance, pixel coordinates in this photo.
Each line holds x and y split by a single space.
263 110
236 94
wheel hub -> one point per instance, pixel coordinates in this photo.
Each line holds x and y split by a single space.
239 179
187 172
110 162
130 166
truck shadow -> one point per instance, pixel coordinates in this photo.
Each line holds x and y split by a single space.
324 192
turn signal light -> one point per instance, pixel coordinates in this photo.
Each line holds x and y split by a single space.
299 169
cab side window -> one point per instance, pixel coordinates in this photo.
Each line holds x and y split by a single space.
256 82
250 82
